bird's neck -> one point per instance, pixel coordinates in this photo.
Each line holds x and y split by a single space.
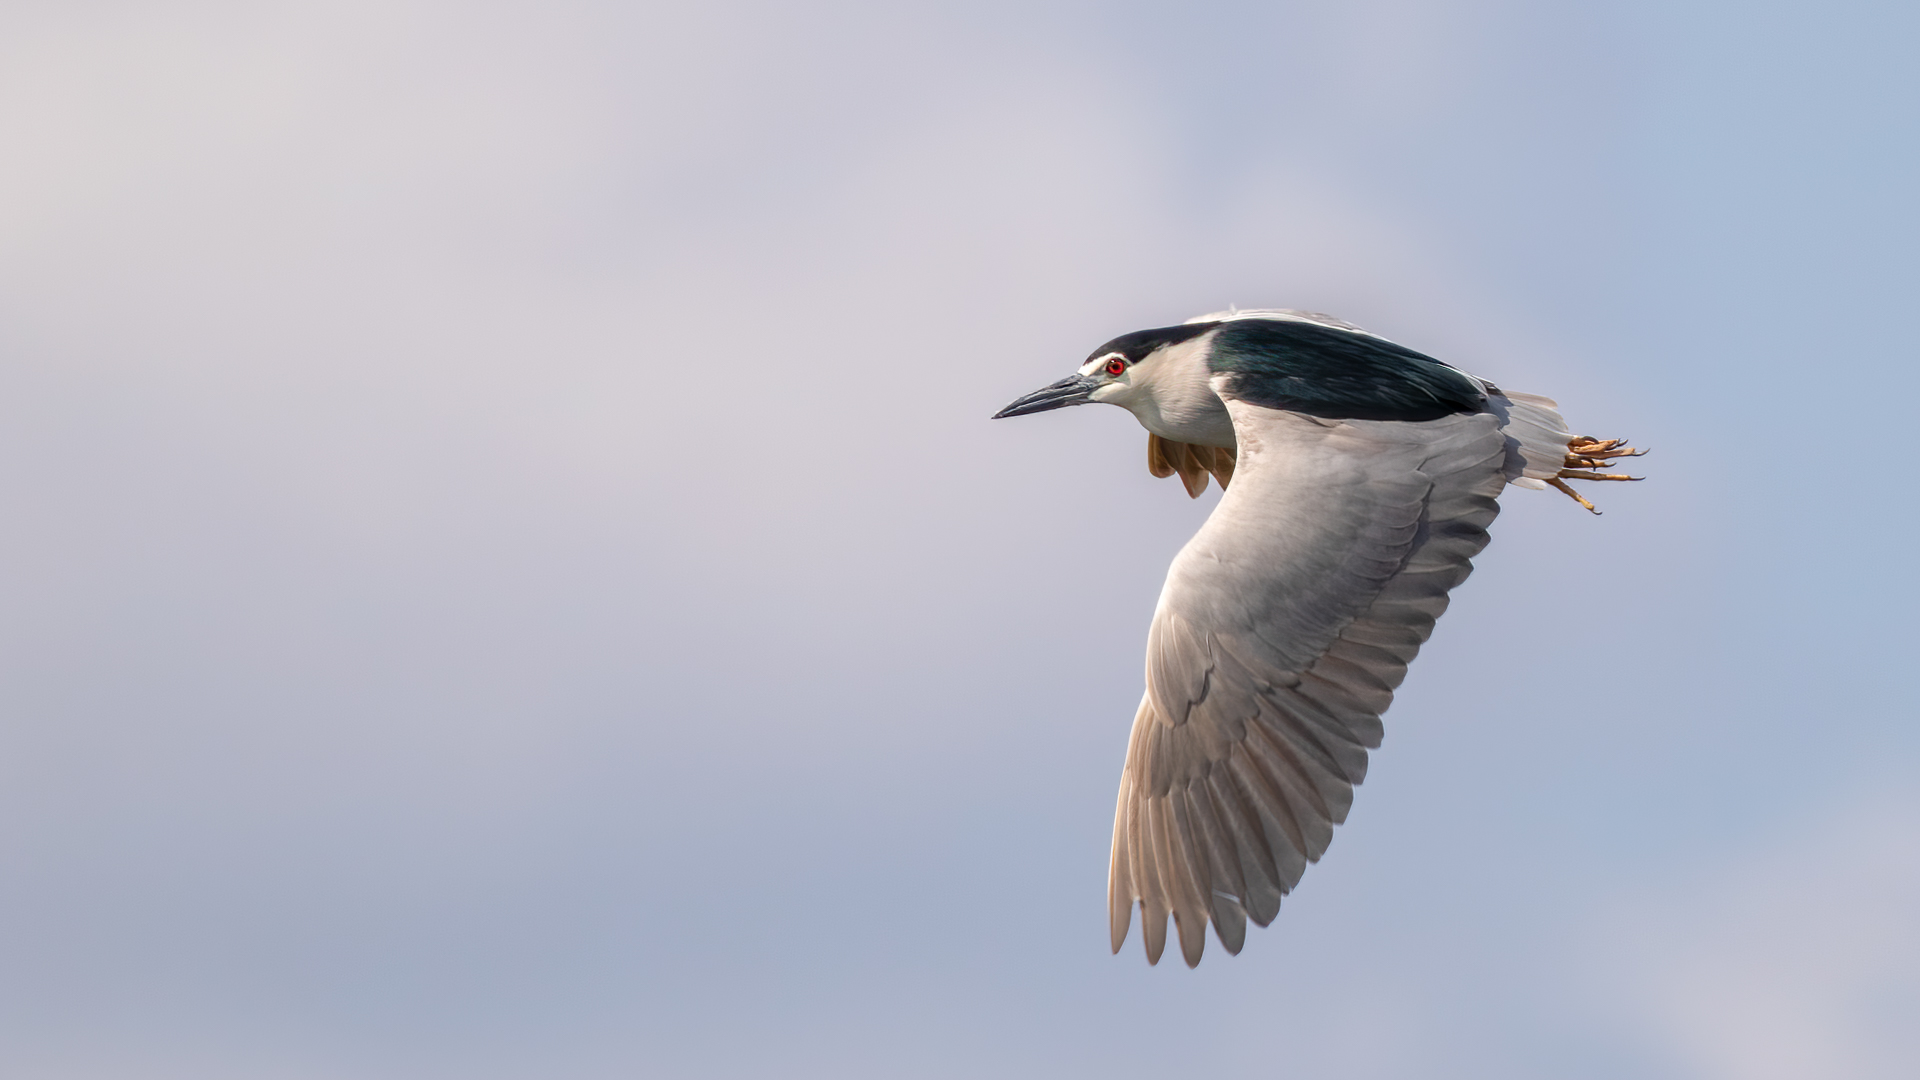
1174 400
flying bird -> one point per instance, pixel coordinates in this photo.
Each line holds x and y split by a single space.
1359 478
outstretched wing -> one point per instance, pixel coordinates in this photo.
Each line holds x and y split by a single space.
1283 629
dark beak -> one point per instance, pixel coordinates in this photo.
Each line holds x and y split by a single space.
1072 390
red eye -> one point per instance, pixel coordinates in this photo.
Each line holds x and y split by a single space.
1116 367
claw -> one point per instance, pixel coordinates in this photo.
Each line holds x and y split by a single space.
1572 494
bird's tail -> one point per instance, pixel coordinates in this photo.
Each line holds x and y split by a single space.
1543 452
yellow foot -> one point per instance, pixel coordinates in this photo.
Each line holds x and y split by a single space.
1586 454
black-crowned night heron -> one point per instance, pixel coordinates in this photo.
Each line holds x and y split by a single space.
1360 477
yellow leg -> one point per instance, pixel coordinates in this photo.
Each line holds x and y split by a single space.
1572 494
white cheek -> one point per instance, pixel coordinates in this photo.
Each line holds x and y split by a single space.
1113 392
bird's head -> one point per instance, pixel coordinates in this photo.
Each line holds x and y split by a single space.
1159 375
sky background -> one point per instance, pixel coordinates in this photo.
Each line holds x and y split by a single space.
505 571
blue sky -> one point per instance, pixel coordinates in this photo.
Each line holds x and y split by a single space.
507 573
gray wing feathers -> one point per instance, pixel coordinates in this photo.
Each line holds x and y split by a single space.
1284 628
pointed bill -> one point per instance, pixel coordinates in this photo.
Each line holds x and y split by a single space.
1072 390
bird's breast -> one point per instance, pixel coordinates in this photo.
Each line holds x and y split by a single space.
1200 423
